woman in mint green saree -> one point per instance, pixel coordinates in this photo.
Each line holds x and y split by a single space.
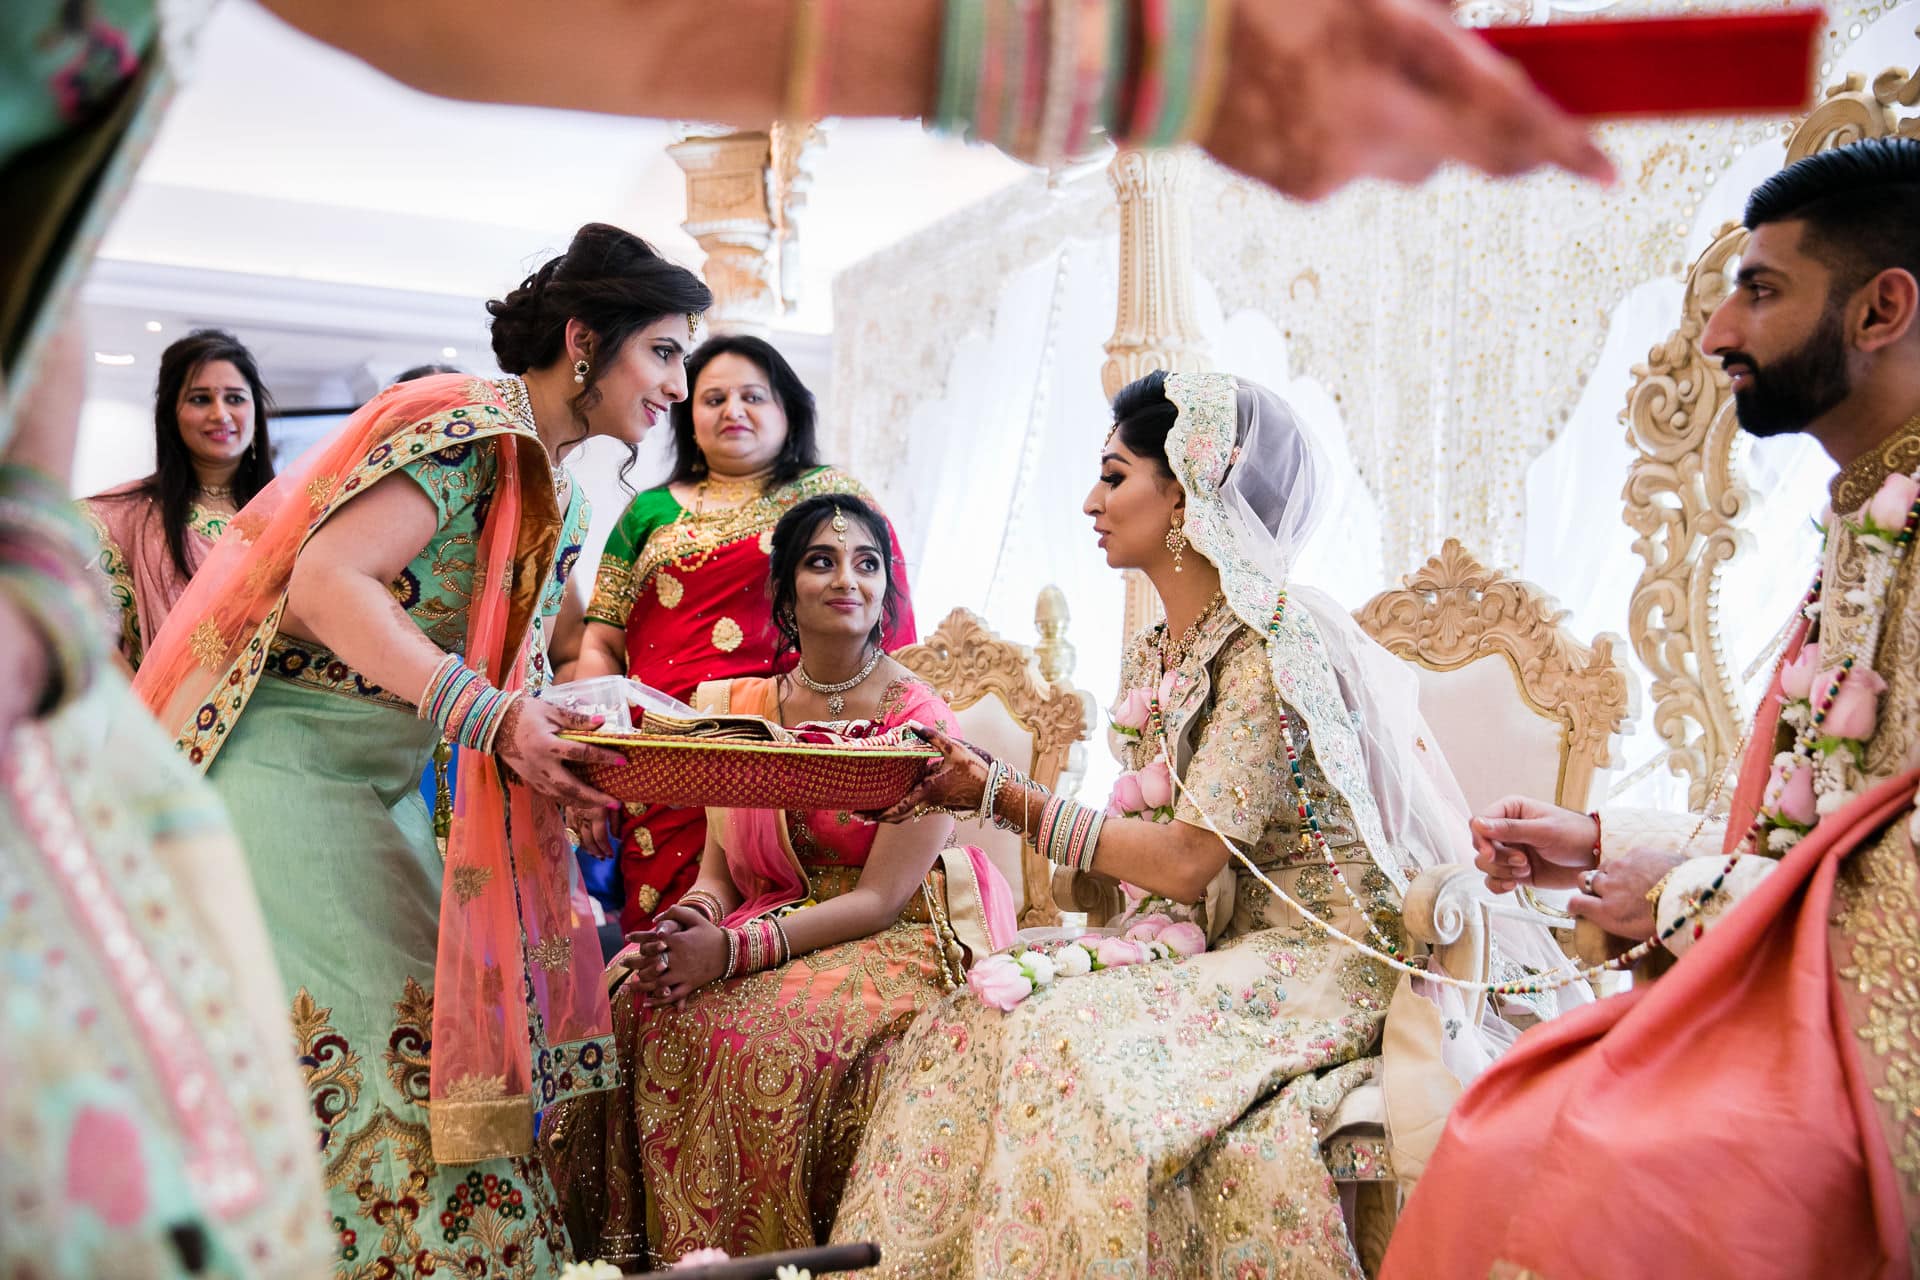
396 590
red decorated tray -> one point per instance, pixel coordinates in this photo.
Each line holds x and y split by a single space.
736 762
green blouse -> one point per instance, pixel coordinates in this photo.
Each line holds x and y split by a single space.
436 588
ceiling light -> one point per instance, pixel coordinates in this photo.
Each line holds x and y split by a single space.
450 353
154 326
109 357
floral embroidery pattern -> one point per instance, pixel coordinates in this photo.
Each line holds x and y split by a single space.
408 1063
331 1066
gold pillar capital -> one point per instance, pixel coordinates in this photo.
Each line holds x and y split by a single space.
1155 328
730 215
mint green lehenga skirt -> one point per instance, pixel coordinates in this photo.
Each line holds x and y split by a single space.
323 789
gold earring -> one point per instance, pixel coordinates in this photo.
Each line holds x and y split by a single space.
580 370
1177 543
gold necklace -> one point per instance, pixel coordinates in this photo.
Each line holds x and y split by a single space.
730 491
835 693
513 390
216 491
704 532
1171 658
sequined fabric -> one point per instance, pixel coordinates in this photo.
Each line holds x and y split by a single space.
1160 1119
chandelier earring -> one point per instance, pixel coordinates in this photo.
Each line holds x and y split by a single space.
1177 543
580 371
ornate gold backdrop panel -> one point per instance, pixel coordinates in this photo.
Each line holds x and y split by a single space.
1685 497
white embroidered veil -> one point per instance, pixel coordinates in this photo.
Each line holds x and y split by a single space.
1255 492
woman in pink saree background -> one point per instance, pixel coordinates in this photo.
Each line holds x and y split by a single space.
211 455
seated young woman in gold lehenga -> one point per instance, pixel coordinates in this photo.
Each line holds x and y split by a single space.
1164 1119
753 1021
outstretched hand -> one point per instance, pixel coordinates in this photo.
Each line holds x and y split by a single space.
956 781
530 744
1321 92
1523 841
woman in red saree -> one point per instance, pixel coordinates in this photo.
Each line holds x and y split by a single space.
211 456
681 593
395 591
753 1022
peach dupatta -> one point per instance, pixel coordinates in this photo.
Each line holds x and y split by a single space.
515 929
1716 1123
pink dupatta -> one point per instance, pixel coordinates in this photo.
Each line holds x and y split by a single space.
510 894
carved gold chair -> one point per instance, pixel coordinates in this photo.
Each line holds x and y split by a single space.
1518 705
1018 704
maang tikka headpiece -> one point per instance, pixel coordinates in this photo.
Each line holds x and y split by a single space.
840 526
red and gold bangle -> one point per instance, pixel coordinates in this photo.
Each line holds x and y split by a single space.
705 903
1595 815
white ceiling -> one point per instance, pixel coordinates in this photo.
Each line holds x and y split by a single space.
349 226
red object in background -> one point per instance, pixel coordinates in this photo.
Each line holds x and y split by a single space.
1731 64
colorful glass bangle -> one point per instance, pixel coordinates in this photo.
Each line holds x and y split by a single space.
66 615
468 710
705 903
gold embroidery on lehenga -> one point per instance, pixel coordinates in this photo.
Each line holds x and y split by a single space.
408 1065
735 1079
331 1067
728 635
672 591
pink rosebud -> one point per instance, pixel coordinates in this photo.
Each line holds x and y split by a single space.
1888 510
998 983
1156 785
1115 952
1856 708
1126 793
1796 678
1147 928
1133 710
1184 937
1790 795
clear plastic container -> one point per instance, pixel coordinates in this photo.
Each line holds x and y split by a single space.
614 697
606 696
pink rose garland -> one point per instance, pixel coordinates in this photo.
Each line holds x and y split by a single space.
1004 979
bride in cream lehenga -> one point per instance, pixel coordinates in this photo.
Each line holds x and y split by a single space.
1165 1119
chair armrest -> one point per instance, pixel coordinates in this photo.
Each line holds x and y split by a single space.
1445 908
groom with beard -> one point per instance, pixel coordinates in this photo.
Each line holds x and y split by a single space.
1756 1111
